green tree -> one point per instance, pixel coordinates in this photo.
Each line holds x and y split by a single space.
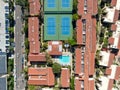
10 65
11 29
56 68
44 46
10 82
23 3
75 2
72 83
26 29
71 42
26 43
49 60
75 17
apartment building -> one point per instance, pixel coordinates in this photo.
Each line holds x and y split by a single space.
33 33
86 40
4 24
4 42
3 71
108 57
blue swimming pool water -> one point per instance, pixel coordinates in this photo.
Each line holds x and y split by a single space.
64 60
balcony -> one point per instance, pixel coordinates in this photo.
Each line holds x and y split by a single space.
83 39
82 85
83 32
82 68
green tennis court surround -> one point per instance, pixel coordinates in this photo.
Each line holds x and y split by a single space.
58 19
57 27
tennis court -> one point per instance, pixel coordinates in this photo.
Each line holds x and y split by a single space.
51 26
51 3
57 27
65 3
65 25
58 5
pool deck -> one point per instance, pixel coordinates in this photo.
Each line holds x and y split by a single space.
66 54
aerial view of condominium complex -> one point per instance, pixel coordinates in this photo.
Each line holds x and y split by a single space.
59 44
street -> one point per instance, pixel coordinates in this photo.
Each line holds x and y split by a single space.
19 82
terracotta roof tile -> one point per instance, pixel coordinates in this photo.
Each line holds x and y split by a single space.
78 61
80 7
37 57
34 7
92 6
55 48
91 84
77 84
111 59
111 40
33 28
93 49
110 85
108 71
34 47
46 76
90 33
113 2
118 43
91 63
79 31
65 78
116 15
117 74
113 27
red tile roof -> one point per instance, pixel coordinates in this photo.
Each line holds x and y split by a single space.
78 61
113 2
33 29
37 57
90 33
92 6
118 46
110 85
117 74
79 31
77 84
95 7
113 27
56 48
90 44
108 71
65 78
111 59
80 7
116 15
91 63
34 47
111 40
93 35
91 84
41 76
34 7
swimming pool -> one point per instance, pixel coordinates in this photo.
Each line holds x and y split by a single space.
64 60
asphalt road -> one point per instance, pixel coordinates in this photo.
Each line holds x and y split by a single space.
19 82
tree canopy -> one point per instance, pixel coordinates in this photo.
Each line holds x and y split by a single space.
56 68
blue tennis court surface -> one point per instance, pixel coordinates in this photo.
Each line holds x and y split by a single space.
65 3
51 3
51 26
65 25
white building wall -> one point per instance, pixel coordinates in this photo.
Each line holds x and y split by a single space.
3 26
